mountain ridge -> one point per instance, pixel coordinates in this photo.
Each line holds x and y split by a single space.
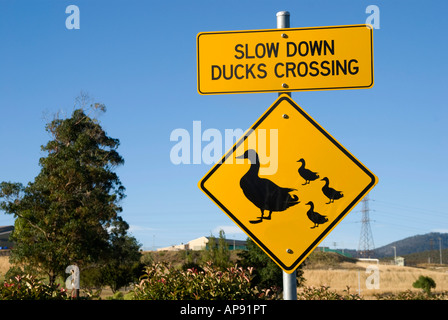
410 245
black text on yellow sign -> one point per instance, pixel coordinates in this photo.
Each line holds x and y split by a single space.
284 60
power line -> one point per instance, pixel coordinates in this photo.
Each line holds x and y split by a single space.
421 222
412 208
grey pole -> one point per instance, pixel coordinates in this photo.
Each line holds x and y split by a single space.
395 255
289 286
283 22
283 19
289 280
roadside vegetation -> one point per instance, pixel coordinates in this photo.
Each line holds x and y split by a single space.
69 216
219 274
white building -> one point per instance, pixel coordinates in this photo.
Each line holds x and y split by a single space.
5 232
202 243
399 261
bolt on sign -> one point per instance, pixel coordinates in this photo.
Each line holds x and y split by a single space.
287 183
285 60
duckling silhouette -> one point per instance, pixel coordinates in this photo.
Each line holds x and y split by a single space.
307 174
315 217
330 193
264 193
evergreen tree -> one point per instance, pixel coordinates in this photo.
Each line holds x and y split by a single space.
68 213
425 283
123 262
218 251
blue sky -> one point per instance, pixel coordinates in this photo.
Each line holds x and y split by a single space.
139 59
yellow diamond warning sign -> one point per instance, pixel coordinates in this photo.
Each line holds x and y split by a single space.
284 60
287 183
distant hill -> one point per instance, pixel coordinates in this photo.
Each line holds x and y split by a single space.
411 245
427 257
414 244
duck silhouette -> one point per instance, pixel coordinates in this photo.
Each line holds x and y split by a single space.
315 217
330 193
264 193
307 174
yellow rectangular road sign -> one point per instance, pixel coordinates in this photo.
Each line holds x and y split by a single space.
285 60
296 186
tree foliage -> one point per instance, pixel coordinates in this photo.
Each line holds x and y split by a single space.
217 251
123 265
69 213
266 272
425 283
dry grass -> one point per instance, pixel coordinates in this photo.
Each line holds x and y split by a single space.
4 265
393 279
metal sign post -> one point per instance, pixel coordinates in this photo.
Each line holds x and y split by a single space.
289 279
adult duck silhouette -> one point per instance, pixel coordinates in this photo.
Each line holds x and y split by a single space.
264 193
307 174
330 193
314 216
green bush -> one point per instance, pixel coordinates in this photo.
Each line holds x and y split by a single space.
163 282
117 296
425 283
29 287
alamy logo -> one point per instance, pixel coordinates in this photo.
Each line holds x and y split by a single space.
72 281
374 17
209 146
73 20
373 280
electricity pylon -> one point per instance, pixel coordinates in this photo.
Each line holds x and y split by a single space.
366 245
